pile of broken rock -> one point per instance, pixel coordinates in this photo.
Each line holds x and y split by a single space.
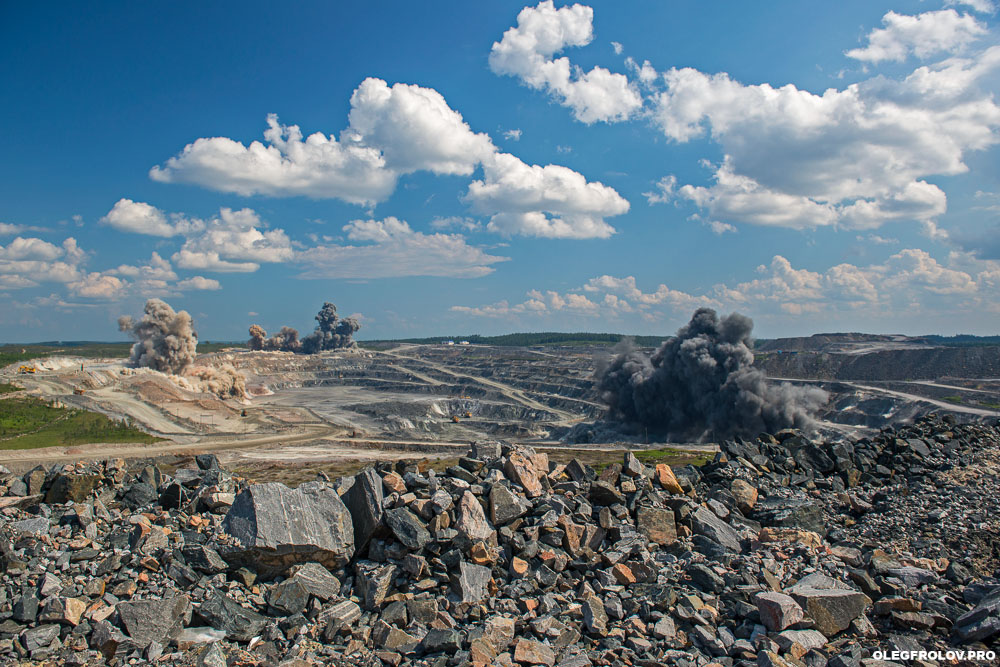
782 551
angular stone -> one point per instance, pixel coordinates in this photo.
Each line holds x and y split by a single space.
66 487
341 614
632 466
505 506
595 619
223 613
204 559
372 581
791 513
364 502
500 631
40 637
519 468
275 526
407 528
471 520
705 522
667 480
774 534
317 580
656 524
157 620
289 597
832 610
604 493
441 640
530 652
745 495
777 610
807 639
471 582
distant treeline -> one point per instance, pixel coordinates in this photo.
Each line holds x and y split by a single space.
963 340
529 339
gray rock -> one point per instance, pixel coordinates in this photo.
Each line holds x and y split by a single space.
595 619
40 637
288 598
372 581
505 506
204 559
364 502
777 610
603 493
317 580
444 640
275 526
223 613
471 582
471 520
704 522
832 610
656 524
408 528
146 621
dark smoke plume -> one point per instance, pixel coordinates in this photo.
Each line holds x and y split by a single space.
702 384
165 340
286 340
332 333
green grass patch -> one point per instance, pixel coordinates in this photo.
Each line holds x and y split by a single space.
991 406
952 399
6 388
27 422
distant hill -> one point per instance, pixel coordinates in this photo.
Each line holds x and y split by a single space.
529 339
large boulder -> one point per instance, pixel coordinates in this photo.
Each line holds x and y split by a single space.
275 527
364 501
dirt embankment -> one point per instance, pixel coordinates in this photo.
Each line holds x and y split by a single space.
915 364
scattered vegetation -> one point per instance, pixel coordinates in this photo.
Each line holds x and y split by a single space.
8 388
952 399
27 422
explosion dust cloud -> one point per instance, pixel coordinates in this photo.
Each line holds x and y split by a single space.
702 384
165 340
331 333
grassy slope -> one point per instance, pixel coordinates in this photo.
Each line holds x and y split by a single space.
27 422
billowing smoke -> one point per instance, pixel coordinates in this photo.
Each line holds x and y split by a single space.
332 333
257 337
702 385
165 340
286 340
224 381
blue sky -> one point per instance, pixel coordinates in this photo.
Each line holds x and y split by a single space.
496 167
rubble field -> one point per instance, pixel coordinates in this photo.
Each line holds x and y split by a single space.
783 550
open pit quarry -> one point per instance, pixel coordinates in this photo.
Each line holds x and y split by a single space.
433 400
873 533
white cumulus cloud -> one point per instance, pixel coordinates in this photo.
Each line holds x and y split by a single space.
551 201
923 35
526 51
856 157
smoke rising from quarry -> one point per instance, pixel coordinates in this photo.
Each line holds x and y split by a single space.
165 340
331 333
702 384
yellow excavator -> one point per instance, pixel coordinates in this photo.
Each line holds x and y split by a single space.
26 370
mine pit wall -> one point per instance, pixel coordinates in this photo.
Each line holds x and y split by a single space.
918 364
